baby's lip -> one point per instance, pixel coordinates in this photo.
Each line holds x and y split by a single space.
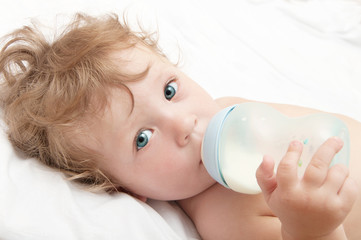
199 136
200 149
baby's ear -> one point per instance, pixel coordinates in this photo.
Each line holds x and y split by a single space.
141 198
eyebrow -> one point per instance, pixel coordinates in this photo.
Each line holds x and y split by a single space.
134 78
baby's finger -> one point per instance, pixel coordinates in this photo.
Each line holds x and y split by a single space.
265 176
317 169
348 192
336 177
287 168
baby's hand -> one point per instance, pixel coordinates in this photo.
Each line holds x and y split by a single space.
315 205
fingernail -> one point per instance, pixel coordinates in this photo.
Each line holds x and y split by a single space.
338 140
296 144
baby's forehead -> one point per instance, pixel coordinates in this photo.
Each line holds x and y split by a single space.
135 60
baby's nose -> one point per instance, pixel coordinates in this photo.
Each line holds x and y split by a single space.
184 128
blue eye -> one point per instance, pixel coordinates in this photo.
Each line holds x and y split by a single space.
170 90
143 138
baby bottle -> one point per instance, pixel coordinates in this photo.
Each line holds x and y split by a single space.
239 136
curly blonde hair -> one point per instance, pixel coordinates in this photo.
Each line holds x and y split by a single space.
49 89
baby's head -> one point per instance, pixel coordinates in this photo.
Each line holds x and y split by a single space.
51 89
87 104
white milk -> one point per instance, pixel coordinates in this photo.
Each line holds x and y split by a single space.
240 175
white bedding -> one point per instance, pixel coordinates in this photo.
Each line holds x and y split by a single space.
290 51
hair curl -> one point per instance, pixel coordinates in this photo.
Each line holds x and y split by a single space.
48 90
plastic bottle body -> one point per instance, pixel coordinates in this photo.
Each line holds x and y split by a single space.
246 132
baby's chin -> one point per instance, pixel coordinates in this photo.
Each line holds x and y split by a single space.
193 191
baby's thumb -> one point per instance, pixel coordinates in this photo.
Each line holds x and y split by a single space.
265 176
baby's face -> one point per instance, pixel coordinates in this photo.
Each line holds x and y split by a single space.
154 149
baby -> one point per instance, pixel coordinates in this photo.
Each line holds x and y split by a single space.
102 104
